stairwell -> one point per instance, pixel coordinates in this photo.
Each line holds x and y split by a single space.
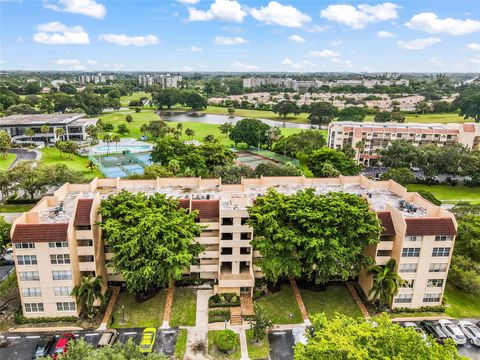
236 316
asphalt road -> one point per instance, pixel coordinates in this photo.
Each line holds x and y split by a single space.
4 271
281 344
22 346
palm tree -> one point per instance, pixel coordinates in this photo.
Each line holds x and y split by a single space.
226 128
360 146
144 129
91 165
190 133
59 132
180 126
116 139
129 119
29 133
88 291
385 282
44 130
107 138
173 166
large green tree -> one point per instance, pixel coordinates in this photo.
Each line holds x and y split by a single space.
320 237
339 160
285 107
4 234
166 97
195 101
5 143
250 131
151 237
399 154
469 103
402 176
306 141
352 113
346 338
322 112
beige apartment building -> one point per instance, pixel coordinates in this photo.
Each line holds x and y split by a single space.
58 241
376 136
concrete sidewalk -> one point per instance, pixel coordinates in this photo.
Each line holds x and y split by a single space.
46 329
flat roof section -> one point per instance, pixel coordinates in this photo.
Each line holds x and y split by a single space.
40 119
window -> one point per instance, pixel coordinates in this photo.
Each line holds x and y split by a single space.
227 221
27 260
408 268
31 292
60 259
414 238
435 283
431 298
443 237
57 244
29 276
227 236
441 251
403 298
410 252
33 307
28 245
245 236
62 275
243 221
227 251
85 258
85 242
408 284
62 290
245 251
84 227
437 267
65 306
384 252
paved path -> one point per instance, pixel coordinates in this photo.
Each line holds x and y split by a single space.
357 299
168 306
24 154
109 310
300 303
243 344
200 331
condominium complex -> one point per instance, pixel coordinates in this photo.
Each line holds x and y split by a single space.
376 136
95 79
165 81
58 241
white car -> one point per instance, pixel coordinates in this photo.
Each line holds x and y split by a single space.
471 331
8 255
452 331
299 335
414 326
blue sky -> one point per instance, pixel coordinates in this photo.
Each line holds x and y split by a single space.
226 35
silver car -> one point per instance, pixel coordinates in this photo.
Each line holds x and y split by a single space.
452 331
471 332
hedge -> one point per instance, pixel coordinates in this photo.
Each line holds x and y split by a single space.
224 300
21 319
192 281
437 308
225 340
218 315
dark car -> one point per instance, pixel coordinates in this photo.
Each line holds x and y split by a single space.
432 329
44 347
61 345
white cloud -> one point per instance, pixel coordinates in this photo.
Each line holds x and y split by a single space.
296 38
125 40
189 2
385 34
286 61
224 10
429 22
225 40
418 44
475 59
436 61
283 15
315 28
296 65
335 43
66 62
358 17
84 7
56 33
237 65
329 54
196 49
474 46
92 62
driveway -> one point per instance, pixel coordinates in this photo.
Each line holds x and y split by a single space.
24 154
281 344
4 271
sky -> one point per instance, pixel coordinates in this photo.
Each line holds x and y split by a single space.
231 35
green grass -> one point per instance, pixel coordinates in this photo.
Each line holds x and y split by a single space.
15 208
450 194
220 355
336 298
145 314
281 307
184 307
75 162
181 345
5 163
257 351
118 117
124 100
8 290
461 304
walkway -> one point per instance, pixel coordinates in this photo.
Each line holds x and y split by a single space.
357 299
24 154
200 331
300 303
109 309
168 306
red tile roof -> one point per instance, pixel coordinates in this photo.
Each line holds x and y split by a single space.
469 127
184 203
386 221
39 232
208 209
82 214
430 226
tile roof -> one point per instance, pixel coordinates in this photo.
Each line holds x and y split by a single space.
207 209
82 214
430 226
469 127
184 203
386 221
40 232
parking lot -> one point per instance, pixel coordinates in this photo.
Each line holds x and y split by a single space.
22 346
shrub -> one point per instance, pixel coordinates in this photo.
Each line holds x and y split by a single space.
437 308
225 340
224 300
242 146
218 315
189 281
21 319
430 197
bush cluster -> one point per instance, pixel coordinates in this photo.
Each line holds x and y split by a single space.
225 340
21 319
189 281
224 300
437 308
218 315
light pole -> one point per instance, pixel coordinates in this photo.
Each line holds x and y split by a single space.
123 314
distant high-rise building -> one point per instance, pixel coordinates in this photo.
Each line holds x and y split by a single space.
92 78
165 81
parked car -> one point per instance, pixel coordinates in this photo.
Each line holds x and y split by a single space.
299 335
453 331
43 348
431 329
471 331
108 338
7 256
148 339
415 327
61 345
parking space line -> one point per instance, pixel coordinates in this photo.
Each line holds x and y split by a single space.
13 337
33 337
94 334
279 333
130 333
168 332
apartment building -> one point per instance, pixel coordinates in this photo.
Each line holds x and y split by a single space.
95 79
376 136
58 241
165 81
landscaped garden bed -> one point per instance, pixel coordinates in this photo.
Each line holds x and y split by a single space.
223 345
218 315
224 300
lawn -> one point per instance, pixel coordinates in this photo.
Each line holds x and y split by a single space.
220 355
257 351
118 117
450 194
184 307
336 298
124 100
5 163
281 307
15 208
181 345
145 314
461 304
8 290
52 156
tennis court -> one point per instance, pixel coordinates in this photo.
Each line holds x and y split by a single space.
251 160
121 165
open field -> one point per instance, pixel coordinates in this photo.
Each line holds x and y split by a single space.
118 117
184 307
124 100
5 163
450 194
52 156
281 307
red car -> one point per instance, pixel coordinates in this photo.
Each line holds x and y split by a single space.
61 345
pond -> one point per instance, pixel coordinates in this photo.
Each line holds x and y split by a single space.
221 119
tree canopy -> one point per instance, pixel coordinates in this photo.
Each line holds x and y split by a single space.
250 131
151 237
338 160
321 112
320 237
469 103
283 108
352 113
306 141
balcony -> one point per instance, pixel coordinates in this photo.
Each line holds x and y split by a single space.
204 268
85 250
86 266
209 254
382 260
207 240
83 234
244 279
